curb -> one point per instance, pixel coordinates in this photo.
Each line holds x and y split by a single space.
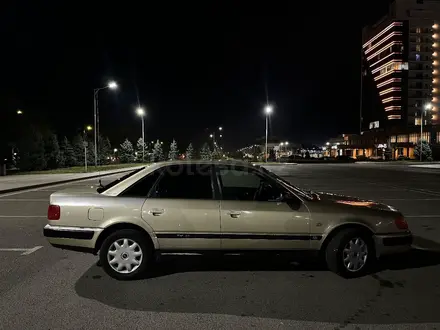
48 184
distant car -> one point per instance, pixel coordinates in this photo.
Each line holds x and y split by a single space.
219 206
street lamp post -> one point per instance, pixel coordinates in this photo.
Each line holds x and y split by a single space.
428 106
111 85
141 112
268 110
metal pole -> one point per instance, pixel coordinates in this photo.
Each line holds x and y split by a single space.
421 135
95 96
143 140
361 92
265 154
85 157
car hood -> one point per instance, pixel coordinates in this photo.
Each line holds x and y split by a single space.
353 202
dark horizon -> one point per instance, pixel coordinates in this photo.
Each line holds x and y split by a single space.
202 69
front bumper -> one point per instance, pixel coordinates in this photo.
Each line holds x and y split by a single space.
392 243
72 238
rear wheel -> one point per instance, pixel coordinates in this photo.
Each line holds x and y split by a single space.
125 254
350 253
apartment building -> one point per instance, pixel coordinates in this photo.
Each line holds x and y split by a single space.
401 61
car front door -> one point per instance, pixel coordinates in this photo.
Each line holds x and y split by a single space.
182 209
254 216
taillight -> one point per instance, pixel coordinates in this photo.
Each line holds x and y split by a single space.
401 223
53 212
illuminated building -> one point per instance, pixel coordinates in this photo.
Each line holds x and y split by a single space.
401 63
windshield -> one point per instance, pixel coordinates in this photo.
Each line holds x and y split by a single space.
284 182
115 182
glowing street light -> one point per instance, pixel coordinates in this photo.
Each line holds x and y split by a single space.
141 112
428 106
19 112
220 128
268 109
211 135
111 85
115 150
89 128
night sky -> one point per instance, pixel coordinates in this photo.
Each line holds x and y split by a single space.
191 66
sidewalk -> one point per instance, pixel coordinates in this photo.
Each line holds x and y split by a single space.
28 181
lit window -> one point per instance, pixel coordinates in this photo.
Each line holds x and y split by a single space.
414 137
417 122
402 138
417 57
418 48
418 30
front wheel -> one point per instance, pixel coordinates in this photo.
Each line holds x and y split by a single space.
124 255
350 253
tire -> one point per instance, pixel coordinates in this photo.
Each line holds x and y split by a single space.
127 255
334 253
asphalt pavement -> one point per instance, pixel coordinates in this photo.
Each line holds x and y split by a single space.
45 288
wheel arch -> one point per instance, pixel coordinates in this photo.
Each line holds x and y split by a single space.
124 225
335 230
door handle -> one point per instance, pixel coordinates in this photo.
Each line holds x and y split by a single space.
234 214
156 212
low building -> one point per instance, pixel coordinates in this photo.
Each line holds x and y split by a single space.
381 144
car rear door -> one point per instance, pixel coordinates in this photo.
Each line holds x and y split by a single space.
256 219
182 209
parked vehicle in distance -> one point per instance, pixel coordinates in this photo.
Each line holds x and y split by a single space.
220 206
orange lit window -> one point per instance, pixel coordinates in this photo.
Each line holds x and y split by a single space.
417 121
414 137
402 138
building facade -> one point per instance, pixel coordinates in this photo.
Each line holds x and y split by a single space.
401 65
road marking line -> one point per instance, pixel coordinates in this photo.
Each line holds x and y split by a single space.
422 216
23 216
23 200
25 251
29 251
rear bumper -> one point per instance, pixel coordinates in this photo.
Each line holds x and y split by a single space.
393 243
72 237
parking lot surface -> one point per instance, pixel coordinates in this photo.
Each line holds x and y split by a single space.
45 288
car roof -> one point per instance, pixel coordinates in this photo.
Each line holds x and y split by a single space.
201 161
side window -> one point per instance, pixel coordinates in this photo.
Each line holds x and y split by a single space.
185 182
243 185
142 187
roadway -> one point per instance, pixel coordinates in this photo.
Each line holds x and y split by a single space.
45 288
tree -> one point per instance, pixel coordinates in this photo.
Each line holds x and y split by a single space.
189 152
78 150
31 149
426 151
205 152
216 153
66 151
174 152
52 151
105 150
126 154
140 146
157 152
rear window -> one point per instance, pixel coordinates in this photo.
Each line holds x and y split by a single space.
142 187
115 182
